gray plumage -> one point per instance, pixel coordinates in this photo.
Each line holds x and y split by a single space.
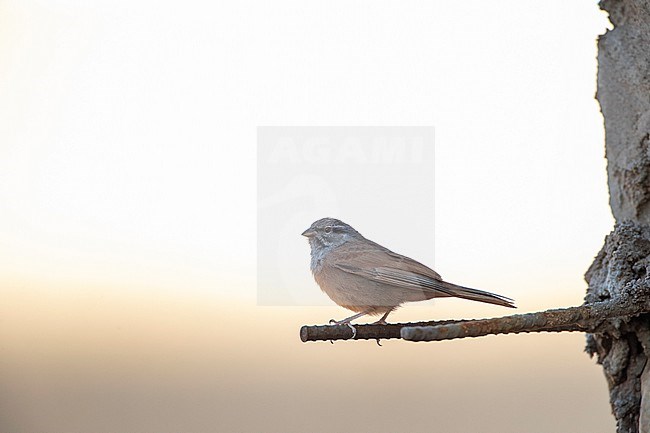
365 277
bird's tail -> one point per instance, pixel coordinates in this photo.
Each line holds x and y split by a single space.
475 295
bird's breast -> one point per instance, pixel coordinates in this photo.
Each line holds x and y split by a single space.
318 254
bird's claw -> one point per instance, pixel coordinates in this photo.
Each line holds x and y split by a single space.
346 323
354 330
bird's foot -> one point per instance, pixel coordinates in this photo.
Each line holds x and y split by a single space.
354 330
347 323
340 322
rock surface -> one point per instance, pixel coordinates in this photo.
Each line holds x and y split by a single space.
624 96
622 266
622 270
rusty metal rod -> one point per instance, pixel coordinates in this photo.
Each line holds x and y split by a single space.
363 332
585 318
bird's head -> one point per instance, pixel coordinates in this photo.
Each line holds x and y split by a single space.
329 233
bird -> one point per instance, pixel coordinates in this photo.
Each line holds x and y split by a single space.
369 279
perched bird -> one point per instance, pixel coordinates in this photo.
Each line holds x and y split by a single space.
362 276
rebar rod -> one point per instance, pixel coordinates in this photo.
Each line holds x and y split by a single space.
584 318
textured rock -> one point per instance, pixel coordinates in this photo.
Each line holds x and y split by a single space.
622 270
622 266
624 96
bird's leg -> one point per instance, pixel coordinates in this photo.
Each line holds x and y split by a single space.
348 320
382 321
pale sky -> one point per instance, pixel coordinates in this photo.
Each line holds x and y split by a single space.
128 146
129 131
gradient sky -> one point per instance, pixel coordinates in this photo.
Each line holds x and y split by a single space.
128 211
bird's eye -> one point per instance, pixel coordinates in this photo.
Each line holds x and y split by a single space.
328 229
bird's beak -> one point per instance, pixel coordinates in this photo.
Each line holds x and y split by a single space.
309 232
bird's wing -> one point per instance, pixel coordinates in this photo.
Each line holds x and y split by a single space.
394 277
376 263
416 281
370 254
